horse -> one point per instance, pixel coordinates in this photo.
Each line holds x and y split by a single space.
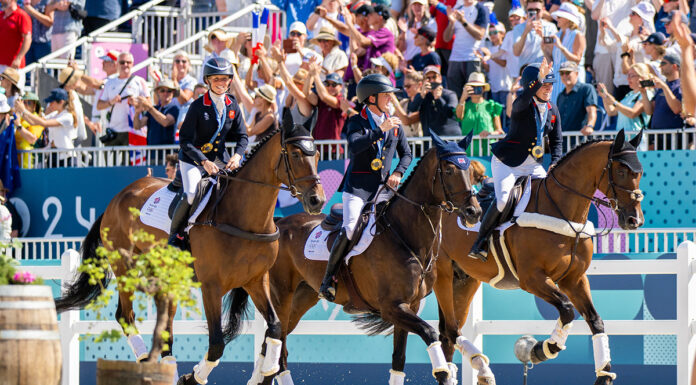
239 213
393 274
555 272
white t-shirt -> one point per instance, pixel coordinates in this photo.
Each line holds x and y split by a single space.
616 11
321 23
335 60
62 136
293 61
498 75
122 111
464 44
531 52
512 68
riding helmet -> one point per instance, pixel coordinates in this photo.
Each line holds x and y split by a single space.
373 84
531 73
217 66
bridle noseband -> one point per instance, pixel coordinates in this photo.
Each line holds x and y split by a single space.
292 180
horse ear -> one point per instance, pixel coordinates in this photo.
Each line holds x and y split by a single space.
288 123
635 142
619 141
437 141
464 143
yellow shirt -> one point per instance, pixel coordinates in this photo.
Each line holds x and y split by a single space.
25 159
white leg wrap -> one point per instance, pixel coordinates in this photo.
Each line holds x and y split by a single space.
478 360
256 376
560 334
138 346
270 364
203 369
284 378
602 356
171 360
452 380
396 377
437 358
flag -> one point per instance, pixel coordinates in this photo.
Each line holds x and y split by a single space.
492 19
259 25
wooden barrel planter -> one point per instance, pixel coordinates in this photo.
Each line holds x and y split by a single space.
30 350
134 373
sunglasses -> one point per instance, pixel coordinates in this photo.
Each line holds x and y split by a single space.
295 34
180 61
124 62
331 84
166 91
565 73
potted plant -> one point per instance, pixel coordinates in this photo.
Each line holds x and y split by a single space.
162 272
29 326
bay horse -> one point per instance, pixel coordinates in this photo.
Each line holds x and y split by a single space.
394 273
243 205
549 265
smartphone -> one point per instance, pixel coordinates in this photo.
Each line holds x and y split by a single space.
548 39
289 46
647 83
478 90
317 11
434 85
532 13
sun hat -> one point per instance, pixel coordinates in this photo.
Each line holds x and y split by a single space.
326 33
565 11
12 75
478 79
68 76
266 92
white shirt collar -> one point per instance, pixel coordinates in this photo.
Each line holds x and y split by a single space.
378 119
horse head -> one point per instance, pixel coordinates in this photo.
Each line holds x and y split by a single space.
624 173
456 188
300 159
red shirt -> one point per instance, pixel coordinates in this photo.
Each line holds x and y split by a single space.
442 20
330 121
12 29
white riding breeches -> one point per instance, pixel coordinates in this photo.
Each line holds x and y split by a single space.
190 176
504 177
352 207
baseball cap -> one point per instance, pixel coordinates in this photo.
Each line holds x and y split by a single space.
111 56
365 10
333 77
672 58
298 26
56 94
427 33
656 38
517 12
383 10
568 66
431 68
671 15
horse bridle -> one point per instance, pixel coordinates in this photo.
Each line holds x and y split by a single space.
292 180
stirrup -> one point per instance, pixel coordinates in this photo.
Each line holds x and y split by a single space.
480 252
328 293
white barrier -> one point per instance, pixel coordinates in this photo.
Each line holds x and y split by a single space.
684 327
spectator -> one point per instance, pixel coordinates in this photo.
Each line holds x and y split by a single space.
664 11
426 56
568 44
494 63
435 106
468 23
417 17
16 225
15 29
183 81
671 43
296 101
477 114
198 91
60 120
385 64
66 28
683 36
631 110
515 17
5 223
100 13
318 19
110 63
413 83
172 161
160 119
666 106
217 46
242 45
327 99
9 80
27 134
577 102
116 98
264 121
41 26
654 50
335 60
298 36
528 36
359 21
72 80
442 47
376 40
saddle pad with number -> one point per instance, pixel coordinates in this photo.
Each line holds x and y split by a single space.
317 247
155 211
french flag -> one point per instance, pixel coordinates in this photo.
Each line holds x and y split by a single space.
259 25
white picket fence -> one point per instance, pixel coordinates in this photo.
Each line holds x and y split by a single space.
684 327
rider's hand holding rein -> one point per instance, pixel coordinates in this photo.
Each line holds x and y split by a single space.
234 162
394 180
210 167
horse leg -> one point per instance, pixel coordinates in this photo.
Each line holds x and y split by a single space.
125 312
212 303
168 354
465 288
579 292
544 288
396 373
260 292
447 324
403 317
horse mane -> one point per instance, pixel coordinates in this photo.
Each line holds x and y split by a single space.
255 150
577 149
404 185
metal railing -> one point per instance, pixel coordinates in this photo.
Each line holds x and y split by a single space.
676 139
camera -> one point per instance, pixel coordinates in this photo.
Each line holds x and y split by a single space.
647 83
532 13
548 39
478 90
434 85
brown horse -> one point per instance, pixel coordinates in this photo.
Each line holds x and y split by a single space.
554 272
242 206
394 273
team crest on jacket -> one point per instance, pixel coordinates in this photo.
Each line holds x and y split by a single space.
553 119
231 114
206 116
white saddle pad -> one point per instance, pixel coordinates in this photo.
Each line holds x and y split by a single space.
316 247
155 211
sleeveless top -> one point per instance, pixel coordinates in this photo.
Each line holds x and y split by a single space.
559 58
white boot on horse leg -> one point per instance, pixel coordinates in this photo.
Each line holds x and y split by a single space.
256 377
284 378
271 364
396 377
602 355
437 359
138 346
478 360
171 360
550 348
452 380
202 370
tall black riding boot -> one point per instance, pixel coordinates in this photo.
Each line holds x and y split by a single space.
179 218
338 251
490 220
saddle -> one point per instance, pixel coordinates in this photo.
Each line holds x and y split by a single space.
176 186
486 197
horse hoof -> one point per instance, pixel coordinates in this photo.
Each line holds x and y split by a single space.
187 379
604 380
485 381
442 377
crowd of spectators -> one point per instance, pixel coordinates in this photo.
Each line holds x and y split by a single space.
456 61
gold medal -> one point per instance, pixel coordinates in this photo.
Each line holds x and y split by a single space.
537 152
206 148
376 164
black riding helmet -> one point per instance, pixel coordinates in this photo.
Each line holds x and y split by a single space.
217 66
373 84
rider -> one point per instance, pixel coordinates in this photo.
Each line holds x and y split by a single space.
210 121
373 138
521 151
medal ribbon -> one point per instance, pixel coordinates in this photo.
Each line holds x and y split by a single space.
539 125
374 127
220 119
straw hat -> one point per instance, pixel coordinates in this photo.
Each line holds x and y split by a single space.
326 33
12 75
220 34
477 79
266 92
169 84
68 76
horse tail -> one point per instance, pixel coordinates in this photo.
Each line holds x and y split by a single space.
236 303
81 292
373 323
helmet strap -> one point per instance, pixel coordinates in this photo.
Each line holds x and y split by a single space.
369 103
540 100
